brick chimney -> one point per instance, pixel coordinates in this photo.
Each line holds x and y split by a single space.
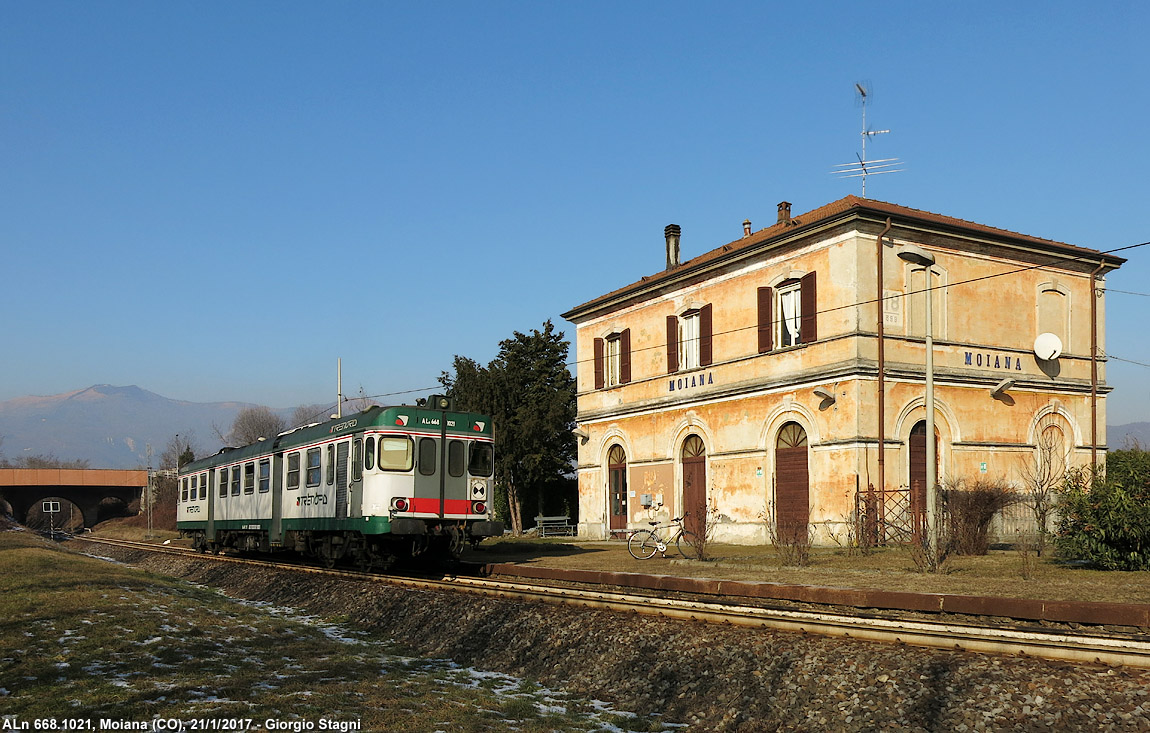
784 212
672 232
746 228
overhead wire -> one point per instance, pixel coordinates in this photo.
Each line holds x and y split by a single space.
856 304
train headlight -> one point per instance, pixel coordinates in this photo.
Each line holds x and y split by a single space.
478 488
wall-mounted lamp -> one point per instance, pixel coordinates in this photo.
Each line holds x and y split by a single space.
824 394
1000 390
581 434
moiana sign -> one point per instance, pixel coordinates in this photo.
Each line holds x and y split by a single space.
695 380
993 361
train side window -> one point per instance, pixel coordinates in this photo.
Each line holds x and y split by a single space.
293 470
204 485
395 453
357 459
313 466
330 465
223 483
265 475
427 456
195 492
369 454
455 454
184 490
250 477
482 456
235 480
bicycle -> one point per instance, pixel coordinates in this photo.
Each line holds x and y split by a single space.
644 543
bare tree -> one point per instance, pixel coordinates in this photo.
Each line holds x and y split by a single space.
308 414
1042 475
178 448
253 423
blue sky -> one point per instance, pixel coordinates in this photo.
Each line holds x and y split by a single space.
216 200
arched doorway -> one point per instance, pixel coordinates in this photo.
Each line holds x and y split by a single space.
617 486
695 484
792 483
918 474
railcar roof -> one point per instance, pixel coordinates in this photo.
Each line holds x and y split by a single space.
410 417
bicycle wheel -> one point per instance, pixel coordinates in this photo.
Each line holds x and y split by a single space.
689 544
642 544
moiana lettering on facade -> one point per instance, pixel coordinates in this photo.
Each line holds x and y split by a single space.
993 361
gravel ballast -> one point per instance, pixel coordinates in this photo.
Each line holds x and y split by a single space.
712 677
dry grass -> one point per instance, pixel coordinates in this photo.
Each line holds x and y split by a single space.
1000 573
84 638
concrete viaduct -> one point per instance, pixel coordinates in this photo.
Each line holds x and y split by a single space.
24 488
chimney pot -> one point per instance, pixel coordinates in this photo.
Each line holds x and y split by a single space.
784 212
746 227
672 233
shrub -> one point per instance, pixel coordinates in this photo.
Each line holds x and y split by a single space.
971 508
1105 514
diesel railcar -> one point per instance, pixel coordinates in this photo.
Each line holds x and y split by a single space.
373 487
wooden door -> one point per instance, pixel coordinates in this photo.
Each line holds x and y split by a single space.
918 475
695 485
792 483
617 486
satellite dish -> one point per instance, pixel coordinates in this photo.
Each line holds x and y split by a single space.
1047 347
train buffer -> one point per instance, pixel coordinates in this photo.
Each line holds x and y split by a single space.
555 526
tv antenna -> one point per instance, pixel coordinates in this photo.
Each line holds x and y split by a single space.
862 167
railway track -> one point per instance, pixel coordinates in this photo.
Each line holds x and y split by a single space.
1067 646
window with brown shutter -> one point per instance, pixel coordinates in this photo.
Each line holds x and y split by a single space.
766 327
672 344
809 330
705 335
599 364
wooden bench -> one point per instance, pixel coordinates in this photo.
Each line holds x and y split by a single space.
555 526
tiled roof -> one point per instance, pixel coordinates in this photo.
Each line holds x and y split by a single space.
839 209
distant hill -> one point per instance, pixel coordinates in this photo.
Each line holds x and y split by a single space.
110 426
1129 435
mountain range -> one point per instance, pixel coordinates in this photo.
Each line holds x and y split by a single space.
111 427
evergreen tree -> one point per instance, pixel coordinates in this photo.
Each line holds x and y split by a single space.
529 394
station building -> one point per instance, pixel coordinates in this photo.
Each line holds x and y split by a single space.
753 385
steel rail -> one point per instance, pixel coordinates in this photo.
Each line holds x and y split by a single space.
1053 645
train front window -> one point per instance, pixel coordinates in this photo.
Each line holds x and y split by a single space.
313 467
395 453
482 457
369 454
293 471
455 455
427 456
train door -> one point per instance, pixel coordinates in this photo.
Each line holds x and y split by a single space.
455 499
427 487
342 451
208 482
355 491
275 535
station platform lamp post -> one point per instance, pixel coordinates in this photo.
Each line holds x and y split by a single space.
918 256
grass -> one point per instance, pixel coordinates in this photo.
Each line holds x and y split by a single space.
1004 573
85 638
